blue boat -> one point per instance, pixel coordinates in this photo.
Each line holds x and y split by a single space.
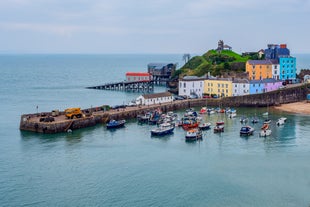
163 129
246 130
115 124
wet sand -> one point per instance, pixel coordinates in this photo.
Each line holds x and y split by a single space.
302 107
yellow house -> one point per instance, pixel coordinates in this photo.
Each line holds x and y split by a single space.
259 69
222 87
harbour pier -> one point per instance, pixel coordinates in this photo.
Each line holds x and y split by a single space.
100 115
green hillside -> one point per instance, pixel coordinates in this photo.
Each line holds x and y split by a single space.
214 62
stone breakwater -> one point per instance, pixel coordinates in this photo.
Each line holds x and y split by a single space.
31 122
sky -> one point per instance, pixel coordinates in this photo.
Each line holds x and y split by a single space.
152 26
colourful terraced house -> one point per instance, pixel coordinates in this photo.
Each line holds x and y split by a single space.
222 87
260 69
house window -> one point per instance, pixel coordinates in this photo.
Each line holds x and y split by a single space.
222 85
226 85
180 85
226 90
184 85
219 90
218 85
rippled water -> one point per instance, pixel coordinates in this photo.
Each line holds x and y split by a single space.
128 167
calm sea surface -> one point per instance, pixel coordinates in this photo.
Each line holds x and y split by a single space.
127 167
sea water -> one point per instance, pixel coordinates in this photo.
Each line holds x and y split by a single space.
128 167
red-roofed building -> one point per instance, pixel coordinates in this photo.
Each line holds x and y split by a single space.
137 76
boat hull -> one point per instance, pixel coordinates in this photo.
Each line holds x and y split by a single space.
159 132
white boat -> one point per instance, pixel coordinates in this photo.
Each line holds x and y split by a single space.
204 126
193 135
232 115
163 129
244 120
281 121
218 128
265 131
265 114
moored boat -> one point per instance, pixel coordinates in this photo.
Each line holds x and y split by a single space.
281 121
246 130
265 131
204 126
203 110
193 135
267 121
115 123
255 120
218 128
244 120
163 129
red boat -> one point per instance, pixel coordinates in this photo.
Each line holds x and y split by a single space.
190 126
219 123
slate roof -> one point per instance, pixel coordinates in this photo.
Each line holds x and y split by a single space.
238 80
192 78
263 62
156 95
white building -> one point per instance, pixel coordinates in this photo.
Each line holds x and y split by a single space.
240 87
276 71
156 98
191 85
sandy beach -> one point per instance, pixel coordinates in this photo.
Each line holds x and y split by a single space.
302 107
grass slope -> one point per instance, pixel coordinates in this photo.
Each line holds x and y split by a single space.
213 62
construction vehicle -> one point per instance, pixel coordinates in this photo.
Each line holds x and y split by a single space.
72 113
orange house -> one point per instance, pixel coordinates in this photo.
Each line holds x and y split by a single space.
259 69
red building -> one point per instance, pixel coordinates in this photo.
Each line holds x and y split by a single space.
137 76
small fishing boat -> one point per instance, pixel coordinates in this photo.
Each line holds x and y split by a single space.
267 121
115 124
210 111
163 129
232 115
219 128
265 131
281 121
244 120
255 120
193 135
203 110
246 130
204 126
220 122
265 114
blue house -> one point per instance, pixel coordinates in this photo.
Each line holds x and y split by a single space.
287 68
256 86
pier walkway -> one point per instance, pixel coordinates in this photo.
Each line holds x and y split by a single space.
126 86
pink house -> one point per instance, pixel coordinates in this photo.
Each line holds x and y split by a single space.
271 84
